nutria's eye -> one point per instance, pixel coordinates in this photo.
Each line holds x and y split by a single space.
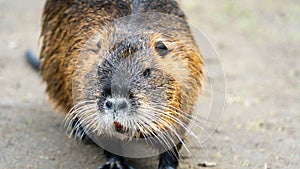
146 73
161 48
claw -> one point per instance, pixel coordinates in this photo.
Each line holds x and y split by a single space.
115 164
166 167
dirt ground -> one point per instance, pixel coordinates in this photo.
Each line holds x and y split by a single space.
258 43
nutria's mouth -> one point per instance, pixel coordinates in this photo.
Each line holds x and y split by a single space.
119 127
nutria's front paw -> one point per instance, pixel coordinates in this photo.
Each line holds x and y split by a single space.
115 164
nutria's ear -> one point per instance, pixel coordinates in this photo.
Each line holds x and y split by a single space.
161 48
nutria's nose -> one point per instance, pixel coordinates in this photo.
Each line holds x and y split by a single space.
119 104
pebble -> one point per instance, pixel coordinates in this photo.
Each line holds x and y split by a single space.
207 164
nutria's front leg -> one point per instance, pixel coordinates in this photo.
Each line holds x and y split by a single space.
169 159
114 162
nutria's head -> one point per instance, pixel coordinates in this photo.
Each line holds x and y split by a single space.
134 90
136 84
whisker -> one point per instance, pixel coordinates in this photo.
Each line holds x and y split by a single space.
74 115
167 124
196 123
80 114
161 138
186 127
180 112
181 124
164 114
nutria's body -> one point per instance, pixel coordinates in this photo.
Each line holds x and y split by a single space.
173 61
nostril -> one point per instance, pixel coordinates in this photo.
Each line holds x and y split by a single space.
122 105
108 104
115 105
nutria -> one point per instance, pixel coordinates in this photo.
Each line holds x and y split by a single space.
137 83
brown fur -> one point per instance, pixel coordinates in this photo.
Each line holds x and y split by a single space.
68 24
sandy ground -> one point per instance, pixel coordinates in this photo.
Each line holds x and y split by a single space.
258 42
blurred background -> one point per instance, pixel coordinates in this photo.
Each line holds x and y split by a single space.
258 43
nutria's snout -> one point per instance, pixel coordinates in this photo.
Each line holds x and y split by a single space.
116 108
